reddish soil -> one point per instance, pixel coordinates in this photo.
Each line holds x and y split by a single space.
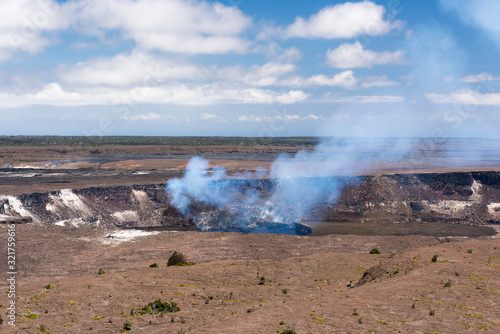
307 283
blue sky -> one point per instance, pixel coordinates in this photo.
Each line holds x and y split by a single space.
250 68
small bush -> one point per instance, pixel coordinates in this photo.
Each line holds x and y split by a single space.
448 284
375 251
101 271
434 258
288 331
48 287
178 259
154 265
469 251
43 329
285 291
432 312
355 312
127 327
159 307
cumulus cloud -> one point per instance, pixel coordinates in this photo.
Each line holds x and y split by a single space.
345 20
128 69
354 55
484 76
344 79
24 25
145 69
174 93
466 96
193 27
483 14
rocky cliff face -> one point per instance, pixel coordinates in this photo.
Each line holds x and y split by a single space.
465 198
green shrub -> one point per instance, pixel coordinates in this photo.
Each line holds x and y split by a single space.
448 284
176 258
101 271
159 307
288 331
154 265
434 258
374 251
127 327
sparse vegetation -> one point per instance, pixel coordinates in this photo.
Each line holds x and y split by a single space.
98 317
374 251
434 258
48 287
127 327
43 329
432 312
157 307
355 312
448 284
178 259
101 271
469 251
154 265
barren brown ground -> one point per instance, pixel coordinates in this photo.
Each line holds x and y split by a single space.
306 283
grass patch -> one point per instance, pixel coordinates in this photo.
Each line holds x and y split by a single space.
98 317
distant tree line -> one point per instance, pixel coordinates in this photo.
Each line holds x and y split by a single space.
146 140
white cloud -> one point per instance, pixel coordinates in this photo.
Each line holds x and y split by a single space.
344 79
262 118
24 24
361 99
152 70
174 93
345 20
212 117
149 117
484 76
354 55
257 75
466 96
377 81
193 27
128 69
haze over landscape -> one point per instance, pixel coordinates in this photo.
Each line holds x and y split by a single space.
249 166
251 68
